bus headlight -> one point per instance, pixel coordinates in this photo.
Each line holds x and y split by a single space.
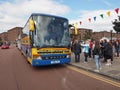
37 57
68 56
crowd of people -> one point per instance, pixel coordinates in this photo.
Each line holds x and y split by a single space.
98 50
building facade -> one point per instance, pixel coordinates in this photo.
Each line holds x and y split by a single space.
14 33
109 35
4 36
11 35
84 34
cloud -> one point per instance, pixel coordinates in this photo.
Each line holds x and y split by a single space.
100 24
106 3
16 12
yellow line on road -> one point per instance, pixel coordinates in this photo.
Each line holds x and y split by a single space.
95 76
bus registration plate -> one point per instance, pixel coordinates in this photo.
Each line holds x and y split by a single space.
55 62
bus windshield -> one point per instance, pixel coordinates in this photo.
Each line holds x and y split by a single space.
50 32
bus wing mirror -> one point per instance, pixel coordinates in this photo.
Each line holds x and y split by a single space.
75 28
31 27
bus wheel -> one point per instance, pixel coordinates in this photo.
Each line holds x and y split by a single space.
28 62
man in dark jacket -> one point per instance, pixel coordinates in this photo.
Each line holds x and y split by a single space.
109 52
105 49
117 47
77 50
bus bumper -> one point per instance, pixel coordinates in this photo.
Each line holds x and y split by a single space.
49 62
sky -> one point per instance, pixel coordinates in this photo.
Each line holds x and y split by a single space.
15 13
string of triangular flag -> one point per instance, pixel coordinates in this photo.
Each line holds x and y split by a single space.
101 15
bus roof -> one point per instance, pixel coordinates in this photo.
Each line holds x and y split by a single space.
35 14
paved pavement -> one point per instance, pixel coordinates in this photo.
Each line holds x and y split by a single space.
112 71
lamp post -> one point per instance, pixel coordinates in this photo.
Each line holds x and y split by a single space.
111 34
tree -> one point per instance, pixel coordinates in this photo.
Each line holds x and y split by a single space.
116 24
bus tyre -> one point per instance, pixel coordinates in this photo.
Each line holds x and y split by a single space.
28 62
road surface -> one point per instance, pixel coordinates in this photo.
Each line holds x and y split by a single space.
17 74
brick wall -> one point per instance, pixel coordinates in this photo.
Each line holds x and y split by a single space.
11 35
4 36
94 35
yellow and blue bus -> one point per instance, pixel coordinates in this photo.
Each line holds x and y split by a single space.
46 40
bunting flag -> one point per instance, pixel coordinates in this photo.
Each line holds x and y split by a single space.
89 19
117 10
80 22
101 15
94 18
108 13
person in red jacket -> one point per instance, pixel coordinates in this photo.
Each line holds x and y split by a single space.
90 48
